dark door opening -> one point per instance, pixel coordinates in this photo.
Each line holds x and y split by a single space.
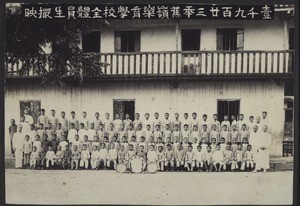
124 107
91 41
228 107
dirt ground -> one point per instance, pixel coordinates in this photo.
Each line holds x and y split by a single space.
180 188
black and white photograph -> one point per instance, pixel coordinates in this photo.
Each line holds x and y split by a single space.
149 104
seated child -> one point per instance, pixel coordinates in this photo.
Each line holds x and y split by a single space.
179 157
103 152
129 154
112 157
208 159
248 158
122 155
59 157
75 157
42 158
84 157
142 154
198 156
169 158
67 153
218 158
228 158
152 156
95 157
50 158
238 157
161 158
189 159
34 156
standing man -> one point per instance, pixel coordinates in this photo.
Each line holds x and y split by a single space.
18 146
263 154
12 130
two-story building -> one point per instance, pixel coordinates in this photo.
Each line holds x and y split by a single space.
203 66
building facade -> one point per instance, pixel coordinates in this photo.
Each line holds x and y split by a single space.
208 67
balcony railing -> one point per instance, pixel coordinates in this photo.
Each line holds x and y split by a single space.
178 63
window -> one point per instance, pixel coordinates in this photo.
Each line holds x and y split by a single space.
292 38
127 41
190 39
33 106
124 107
230 39
91 41
228 107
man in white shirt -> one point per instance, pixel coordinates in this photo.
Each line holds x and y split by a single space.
28 117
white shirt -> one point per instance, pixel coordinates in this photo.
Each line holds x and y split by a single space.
152 156
63 145
29 119
85 155
50 155
91 133
71 135
18 140
81 134
112 154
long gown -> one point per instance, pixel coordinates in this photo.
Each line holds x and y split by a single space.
262 161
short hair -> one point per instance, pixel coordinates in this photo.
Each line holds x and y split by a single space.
156 113
166 113
72 112
97 113
241 114
22 116
265 112
251 117
205 115
158 146
215 115
106 113
43 110
185 113
194 113
52 110
147 113
62 112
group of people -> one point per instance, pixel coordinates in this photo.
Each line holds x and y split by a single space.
181 144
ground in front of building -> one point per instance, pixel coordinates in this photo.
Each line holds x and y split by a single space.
164 188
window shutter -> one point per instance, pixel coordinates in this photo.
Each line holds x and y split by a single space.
117 41
219 39
240 39
137 41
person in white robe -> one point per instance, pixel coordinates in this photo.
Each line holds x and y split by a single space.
263 154
18 146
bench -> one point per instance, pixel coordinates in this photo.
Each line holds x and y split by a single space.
276 162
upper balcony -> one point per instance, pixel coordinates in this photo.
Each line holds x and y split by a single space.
185 64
